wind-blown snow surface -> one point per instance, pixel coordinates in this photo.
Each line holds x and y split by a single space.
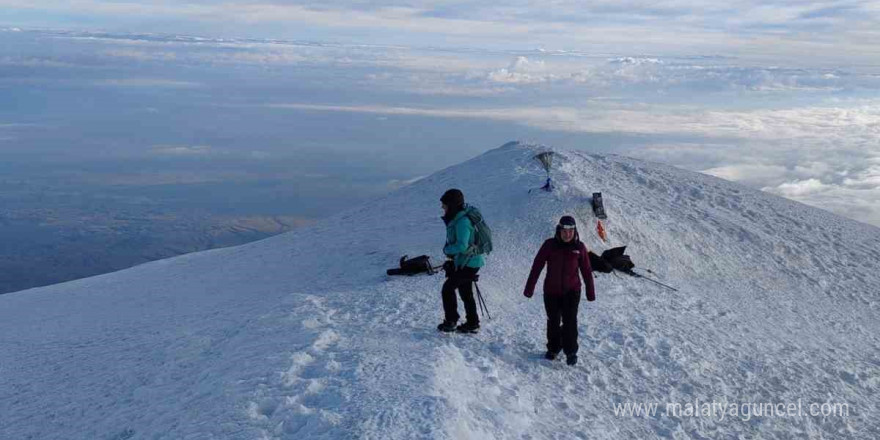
303 336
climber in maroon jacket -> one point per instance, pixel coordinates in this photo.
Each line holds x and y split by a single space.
564 256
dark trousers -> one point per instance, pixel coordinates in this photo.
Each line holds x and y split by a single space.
463 280
564 335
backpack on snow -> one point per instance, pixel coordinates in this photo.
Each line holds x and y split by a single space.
413 266
482 233
598 264
618 260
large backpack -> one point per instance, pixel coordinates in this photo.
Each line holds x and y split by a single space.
482 233
413 266
616 258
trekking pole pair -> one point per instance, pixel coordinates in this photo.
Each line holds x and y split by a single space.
479 294
482 302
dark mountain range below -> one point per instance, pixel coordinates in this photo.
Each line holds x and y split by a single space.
40 249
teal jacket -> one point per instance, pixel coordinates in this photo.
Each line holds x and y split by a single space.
459 237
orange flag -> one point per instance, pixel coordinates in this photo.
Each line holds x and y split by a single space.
601 230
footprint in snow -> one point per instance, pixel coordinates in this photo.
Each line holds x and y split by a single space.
303 401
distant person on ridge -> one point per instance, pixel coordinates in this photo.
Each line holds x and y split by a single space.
564 256
461 266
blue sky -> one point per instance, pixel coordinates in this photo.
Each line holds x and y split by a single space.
782 96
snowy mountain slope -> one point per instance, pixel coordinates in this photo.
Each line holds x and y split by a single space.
303 336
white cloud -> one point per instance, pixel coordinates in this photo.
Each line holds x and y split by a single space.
858 200
747 172
860 123
466 72
424 86
521 70
706 77
533 116
819 154
258 56
142 55
866 179
800 188
635 61
99 7
828 157
261 155
9 128
182 150
795 31
148 83
33 62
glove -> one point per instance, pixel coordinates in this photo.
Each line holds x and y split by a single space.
528 294
449 268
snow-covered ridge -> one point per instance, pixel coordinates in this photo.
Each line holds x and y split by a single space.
303 336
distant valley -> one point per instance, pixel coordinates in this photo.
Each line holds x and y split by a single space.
39 249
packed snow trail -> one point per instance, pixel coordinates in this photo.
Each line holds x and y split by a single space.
303 336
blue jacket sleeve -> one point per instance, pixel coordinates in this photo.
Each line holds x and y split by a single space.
462 238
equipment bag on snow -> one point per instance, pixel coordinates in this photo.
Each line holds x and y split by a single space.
482 233
599 206
413 266
598 264
616 258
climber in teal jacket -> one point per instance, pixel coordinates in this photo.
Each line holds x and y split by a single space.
460 237
461 268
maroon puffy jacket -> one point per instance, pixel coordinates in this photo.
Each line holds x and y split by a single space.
563 261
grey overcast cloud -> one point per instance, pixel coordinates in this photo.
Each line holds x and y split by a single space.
131 131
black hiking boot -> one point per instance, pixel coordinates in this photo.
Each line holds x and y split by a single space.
571 359
446 326
468 327
550 355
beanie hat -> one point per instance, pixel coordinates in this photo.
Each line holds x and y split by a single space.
567 222
453 198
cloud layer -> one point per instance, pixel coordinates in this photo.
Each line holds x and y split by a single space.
823 28
807 131
828 157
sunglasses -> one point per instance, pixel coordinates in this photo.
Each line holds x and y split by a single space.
568 226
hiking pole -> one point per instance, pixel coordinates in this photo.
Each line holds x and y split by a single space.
651 272
638 275
482 301
655 273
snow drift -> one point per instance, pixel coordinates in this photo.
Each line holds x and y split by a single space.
304 336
